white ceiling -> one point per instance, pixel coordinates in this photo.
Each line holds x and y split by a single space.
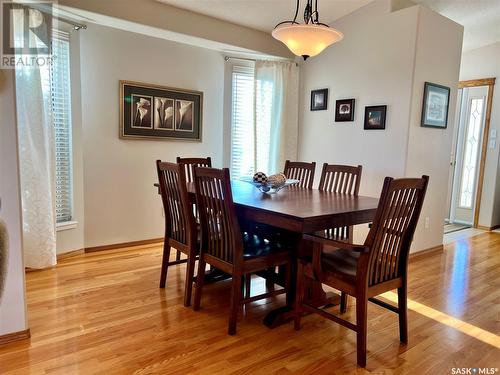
265 14
480 18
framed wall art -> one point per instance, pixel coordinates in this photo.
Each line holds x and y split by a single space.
319 100
158 112
344 110
435 106
375 117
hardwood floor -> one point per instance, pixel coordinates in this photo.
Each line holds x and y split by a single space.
103 313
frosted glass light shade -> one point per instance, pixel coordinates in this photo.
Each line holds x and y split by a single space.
307 40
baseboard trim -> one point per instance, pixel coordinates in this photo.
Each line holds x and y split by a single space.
15 336
488 228
123 244
427 252
70 254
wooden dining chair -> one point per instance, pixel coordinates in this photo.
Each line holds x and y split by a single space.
181 231
342 179
190 163
304 172
187 165
225 247
365 271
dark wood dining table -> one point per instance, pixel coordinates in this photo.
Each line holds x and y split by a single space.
299 211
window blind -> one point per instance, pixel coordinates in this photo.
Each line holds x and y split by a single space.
242 122
60 94
252 105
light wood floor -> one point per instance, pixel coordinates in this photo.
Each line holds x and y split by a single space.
103 313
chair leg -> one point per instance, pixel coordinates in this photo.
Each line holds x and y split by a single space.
343 302
288 284
271 274
235 304
178 255
403 313
361 324
188 288
164 263
248 284
299 295
200 278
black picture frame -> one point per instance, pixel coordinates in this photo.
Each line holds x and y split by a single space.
344 110
435 106
319 100
159 112
375 117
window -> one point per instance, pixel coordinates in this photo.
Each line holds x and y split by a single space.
59 89
242 129
250 122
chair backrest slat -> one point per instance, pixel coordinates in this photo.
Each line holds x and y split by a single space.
221 235
180 224
304 172
392 231
343 179
188 165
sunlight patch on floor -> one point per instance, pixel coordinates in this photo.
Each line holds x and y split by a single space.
464 327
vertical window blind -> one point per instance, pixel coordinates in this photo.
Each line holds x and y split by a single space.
250 122
242 122
60 94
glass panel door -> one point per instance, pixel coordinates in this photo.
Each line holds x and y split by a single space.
471 154
467 155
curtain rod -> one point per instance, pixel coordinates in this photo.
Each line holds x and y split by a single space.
49 11
227 58
76 26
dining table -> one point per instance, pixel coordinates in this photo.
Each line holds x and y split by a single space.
298 211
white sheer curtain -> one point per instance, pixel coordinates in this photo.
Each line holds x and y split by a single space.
36 154
276 114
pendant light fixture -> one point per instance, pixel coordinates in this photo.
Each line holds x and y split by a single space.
311 37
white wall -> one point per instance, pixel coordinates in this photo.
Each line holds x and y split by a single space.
12 303
429 149
121 204
372 64
384 59
484 62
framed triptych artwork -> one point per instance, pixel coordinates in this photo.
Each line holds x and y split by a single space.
158 112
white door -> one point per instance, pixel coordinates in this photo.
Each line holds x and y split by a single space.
468 154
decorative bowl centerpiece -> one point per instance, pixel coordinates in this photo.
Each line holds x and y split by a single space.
269 184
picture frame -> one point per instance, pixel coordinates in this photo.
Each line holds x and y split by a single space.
375 117
435 106
319 100
149 111
344 110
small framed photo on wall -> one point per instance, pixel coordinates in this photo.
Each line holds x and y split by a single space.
319 100
375 117
344 110
435 106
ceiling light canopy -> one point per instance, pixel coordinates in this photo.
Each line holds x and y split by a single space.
308 39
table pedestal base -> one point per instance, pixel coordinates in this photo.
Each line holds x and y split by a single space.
285 314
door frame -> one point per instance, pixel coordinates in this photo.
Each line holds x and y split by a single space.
490 82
